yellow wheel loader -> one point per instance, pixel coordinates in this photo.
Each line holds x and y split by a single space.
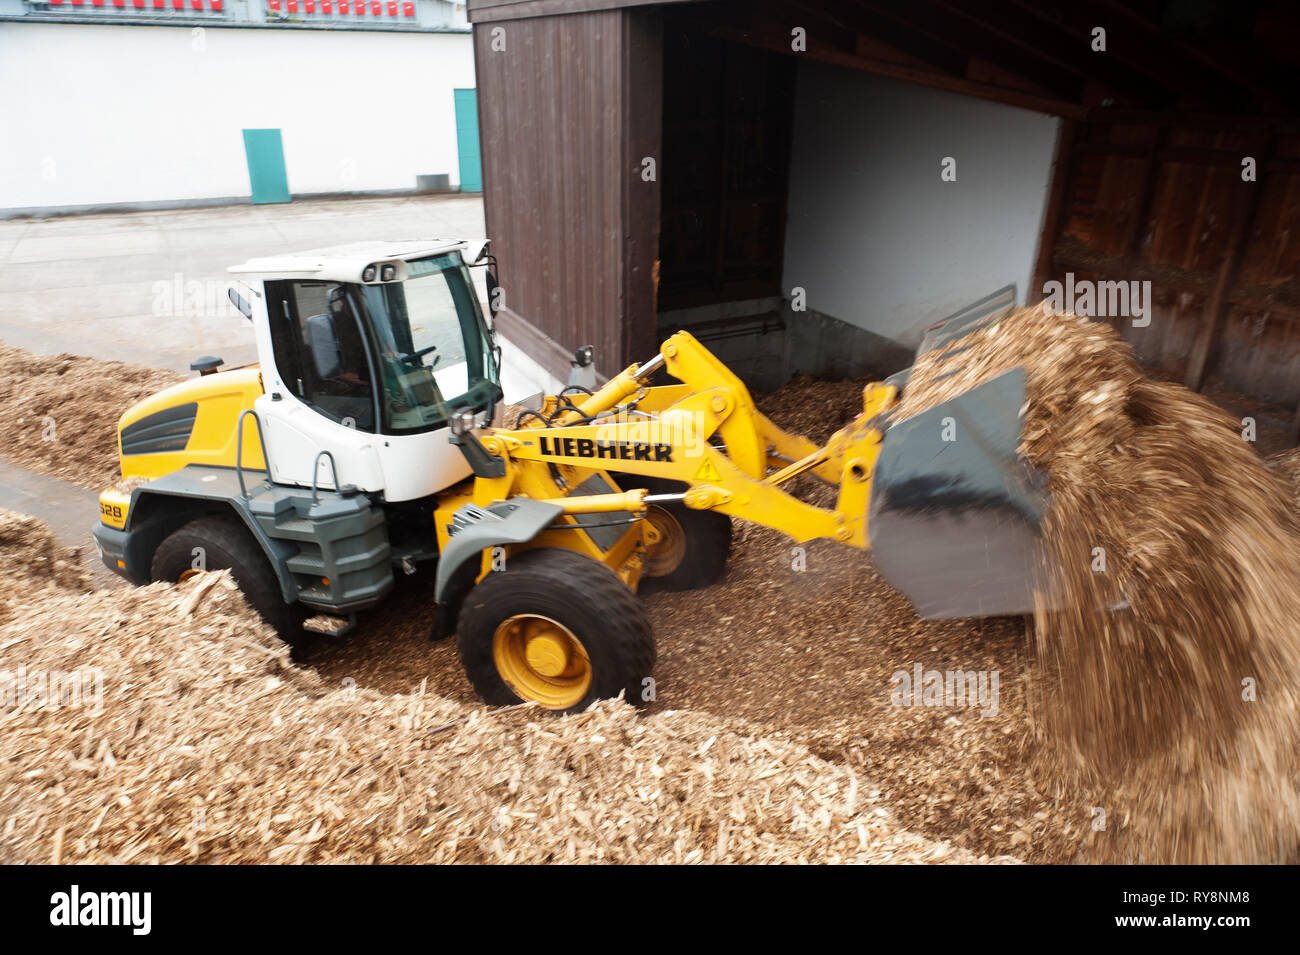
367 441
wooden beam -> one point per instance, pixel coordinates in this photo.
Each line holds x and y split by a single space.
1143 206
1054 214
1135 41
1070 253
1193 155
1060 45
979 39
1281 124
911 43
1214 55
780 43
1216 304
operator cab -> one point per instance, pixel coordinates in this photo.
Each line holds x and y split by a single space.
366 351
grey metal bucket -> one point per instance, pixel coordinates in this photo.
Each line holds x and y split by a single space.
955 512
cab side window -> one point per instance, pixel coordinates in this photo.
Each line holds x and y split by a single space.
319 350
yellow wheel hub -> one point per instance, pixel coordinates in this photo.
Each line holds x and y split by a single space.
541 660
666 542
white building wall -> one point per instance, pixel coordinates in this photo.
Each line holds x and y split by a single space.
874 236
123 114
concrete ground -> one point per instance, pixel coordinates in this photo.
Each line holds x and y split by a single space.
70 512
118 286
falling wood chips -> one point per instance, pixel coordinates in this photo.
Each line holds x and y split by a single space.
212 746
1181 709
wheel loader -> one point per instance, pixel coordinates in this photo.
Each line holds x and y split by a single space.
368 440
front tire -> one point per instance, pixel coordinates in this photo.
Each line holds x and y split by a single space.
227 545
556 628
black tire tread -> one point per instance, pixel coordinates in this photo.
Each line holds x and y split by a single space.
230 546
591 598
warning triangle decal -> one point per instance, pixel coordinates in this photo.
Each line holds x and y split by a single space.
708 472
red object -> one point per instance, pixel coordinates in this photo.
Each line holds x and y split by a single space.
293 6
215 4
326 6
310 6
273 5
343 6
160 4
408 9
119 3
178 4
137 3
376 7
359 8
55 3
77 3
98 3
392 8
196 4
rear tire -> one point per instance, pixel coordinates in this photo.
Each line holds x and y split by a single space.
695 546
228 545
554 597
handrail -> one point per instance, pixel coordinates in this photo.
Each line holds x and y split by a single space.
239 448
315 471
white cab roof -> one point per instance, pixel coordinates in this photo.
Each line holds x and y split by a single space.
345 262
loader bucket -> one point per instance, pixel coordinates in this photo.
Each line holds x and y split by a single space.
955 512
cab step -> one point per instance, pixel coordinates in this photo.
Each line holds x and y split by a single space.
328 625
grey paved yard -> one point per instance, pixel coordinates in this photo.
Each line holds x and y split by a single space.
94 284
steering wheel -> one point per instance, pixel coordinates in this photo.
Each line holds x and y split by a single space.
414 357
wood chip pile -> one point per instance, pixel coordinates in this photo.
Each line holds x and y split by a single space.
61 412
1169 629
206 743
33 560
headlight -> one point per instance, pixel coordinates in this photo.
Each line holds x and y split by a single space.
389 272
368 275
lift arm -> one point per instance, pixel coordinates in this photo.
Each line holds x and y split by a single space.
705 432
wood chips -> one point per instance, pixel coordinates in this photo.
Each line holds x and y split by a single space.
61 412
207 744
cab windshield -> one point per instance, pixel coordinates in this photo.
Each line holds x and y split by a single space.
430 345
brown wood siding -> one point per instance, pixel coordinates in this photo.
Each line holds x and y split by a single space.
1166 203
560 190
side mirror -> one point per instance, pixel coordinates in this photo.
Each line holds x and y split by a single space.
494 300
488 262
582 374
324 341
238 301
